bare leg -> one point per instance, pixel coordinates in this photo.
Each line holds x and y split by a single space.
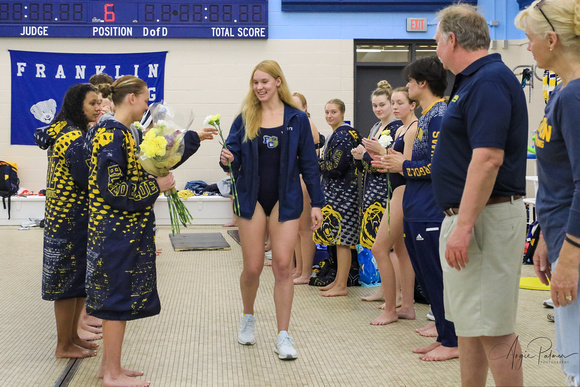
344 261
79 308
283 236
407 281
387 236
502 354
89 328
307 246
395 262
297 270
112 373
252 238
66 326
267 247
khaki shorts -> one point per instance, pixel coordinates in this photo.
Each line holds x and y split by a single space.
482 299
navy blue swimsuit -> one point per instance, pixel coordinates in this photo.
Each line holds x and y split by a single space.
399 145
269 150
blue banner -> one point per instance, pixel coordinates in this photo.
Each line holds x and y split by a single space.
40 80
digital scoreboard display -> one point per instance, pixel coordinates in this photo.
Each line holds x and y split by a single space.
223 19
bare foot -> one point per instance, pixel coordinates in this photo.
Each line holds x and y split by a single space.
385 318
231 224
441 353
382 307
336 291
85 344
92 321
378 296
407 314
123 381
296 274
89 328
74 352
430 332
301 280
125 371
327 287
427 348
268 262
428 326
88 336
158 251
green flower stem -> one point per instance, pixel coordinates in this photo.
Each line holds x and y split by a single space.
233 188
178 212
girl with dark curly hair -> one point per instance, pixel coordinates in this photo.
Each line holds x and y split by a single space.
66 217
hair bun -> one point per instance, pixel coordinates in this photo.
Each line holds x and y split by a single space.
106 89
384 85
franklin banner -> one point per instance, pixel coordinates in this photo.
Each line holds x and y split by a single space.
40 80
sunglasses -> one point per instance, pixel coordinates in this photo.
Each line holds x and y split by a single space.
537 6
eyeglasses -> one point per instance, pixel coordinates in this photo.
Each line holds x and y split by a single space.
537 6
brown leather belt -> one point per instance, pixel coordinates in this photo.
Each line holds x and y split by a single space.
492 200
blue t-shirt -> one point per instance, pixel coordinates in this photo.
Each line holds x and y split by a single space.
418 201
558 150
487 109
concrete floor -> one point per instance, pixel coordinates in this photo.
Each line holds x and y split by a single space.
193 341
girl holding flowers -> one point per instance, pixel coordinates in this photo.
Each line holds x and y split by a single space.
269 146
390 233
121 276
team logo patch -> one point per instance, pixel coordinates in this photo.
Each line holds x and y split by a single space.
271 141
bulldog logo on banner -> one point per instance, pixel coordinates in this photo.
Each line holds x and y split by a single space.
40 80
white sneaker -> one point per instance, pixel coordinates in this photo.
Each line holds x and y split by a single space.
246 334
268 255
548 303
283 347
430 315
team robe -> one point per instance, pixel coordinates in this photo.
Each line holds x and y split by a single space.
65 213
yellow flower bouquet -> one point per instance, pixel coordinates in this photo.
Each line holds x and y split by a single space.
161 149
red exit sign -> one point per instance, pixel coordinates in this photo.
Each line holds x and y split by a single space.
416 25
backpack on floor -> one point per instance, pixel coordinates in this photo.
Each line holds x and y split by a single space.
8 183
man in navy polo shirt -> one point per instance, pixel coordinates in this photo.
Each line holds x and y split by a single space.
478 174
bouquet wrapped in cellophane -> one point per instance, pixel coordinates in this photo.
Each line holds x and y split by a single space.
161 149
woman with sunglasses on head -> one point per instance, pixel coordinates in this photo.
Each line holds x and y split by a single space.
553 30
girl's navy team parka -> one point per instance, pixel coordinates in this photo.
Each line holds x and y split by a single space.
298 156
